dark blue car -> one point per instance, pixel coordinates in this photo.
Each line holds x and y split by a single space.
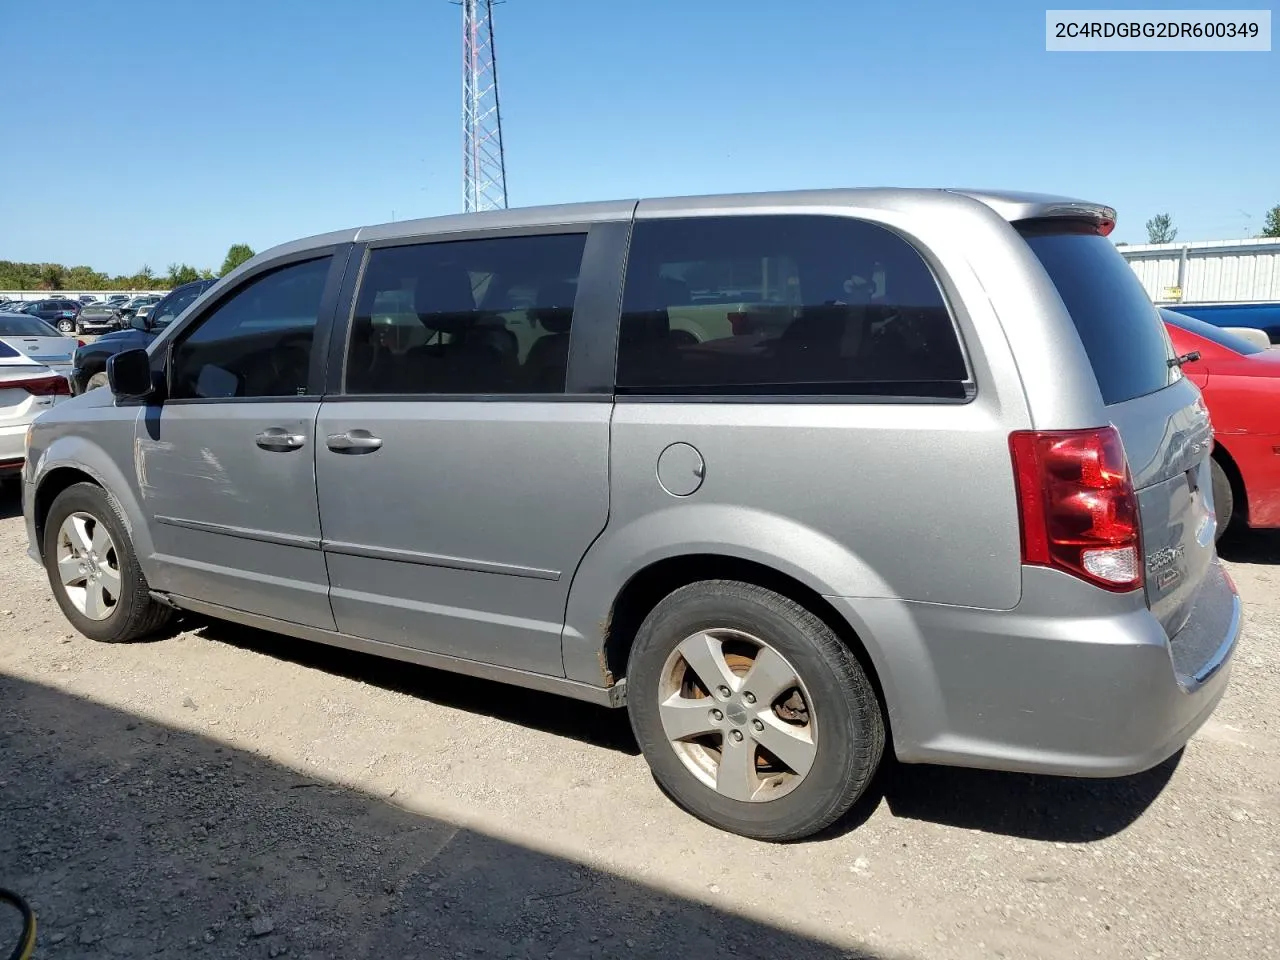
89 368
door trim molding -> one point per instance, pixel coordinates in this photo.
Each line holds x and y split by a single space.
244 533
436 560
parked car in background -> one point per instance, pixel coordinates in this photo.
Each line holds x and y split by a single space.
87 298
62 313
1240 382
27 389
89 366
968 499
99 318
131 306
38 341
118 298
1260 316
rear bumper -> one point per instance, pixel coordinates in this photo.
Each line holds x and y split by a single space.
1074 684
12 447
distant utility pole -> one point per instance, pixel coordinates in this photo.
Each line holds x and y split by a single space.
484 179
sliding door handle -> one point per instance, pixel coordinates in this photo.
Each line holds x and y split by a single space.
353 441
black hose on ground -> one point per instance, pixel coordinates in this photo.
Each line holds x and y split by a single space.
27 944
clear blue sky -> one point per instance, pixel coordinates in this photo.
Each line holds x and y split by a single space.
153 131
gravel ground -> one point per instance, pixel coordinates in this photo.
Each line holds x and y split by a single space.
227 793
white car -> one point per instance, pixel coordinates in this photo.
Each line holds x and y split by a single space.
38 341
27 389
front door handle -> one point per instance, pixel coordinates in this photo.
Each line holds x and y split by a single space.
353 441
279 440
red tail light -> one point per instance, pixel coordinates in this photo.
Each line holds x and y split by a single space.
54 385
1077 505
79 343
738 323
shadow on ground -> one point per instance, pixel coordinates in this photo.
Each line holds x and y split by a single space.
562 716
1251 546
10 499
1059 809
1022 805
133 839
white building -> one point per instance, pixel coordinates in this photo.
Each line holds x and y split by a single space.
1208 271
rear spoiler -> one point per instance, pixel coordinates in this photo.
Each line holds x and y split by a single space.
1017 208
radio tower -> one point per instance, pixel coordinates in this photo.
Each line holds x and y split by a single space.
484 178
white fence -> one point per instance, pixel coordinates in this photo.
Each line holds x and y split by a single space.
1208 271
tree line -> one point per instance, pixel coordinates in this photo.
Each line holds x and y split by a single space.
15 275
1160 228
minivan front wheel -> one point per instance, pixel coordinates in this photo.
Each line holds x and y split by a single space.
751 712
93 570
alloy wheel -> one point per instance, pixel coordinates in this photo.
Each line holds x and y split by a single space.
738 715
88 565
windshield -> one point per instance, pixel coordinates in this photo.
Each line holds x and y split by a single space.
24 326
1222 338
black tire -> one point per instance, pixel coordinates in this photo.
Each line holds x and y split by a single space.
66 326
850 736
1224 500
135 614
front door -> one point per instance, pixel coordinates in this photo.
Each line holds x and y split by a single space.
459 483
226 463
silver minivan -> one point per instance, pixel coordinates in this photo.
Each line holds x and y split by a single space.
934 479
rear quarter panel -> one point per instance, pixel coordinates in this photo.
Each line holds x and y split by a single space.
904 500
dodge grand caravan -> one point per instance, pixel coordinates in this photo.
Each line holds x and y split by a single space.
949 492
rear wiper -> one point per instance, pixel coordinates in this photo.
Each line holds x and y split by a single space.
1191 357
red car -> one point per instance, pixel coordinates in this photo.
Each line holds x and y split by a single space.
1241 386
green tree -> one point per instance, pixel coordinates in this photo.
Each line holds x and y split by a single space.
180 273
1271 224
1160 229
85 278
237 254
207 274
53 276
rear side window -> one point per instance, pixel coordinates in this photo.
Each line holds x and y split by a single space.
1116 320
780 305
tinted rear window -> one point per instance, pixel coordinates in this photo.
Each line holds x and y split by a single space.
783 305
1117 322
25 326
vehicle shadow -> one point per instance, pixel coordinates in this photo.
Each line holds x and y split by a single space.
1023 805
584 722
1251 546
10 499
131 838
1029 806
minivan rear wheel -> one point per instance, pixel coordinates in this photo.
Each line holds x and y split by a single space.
93 570
66 326
751 712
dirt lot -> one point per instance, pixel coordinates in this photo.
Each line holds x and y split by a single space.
225 793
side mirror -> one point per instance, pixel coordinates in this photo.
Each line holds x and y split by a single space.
129 374
139 323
